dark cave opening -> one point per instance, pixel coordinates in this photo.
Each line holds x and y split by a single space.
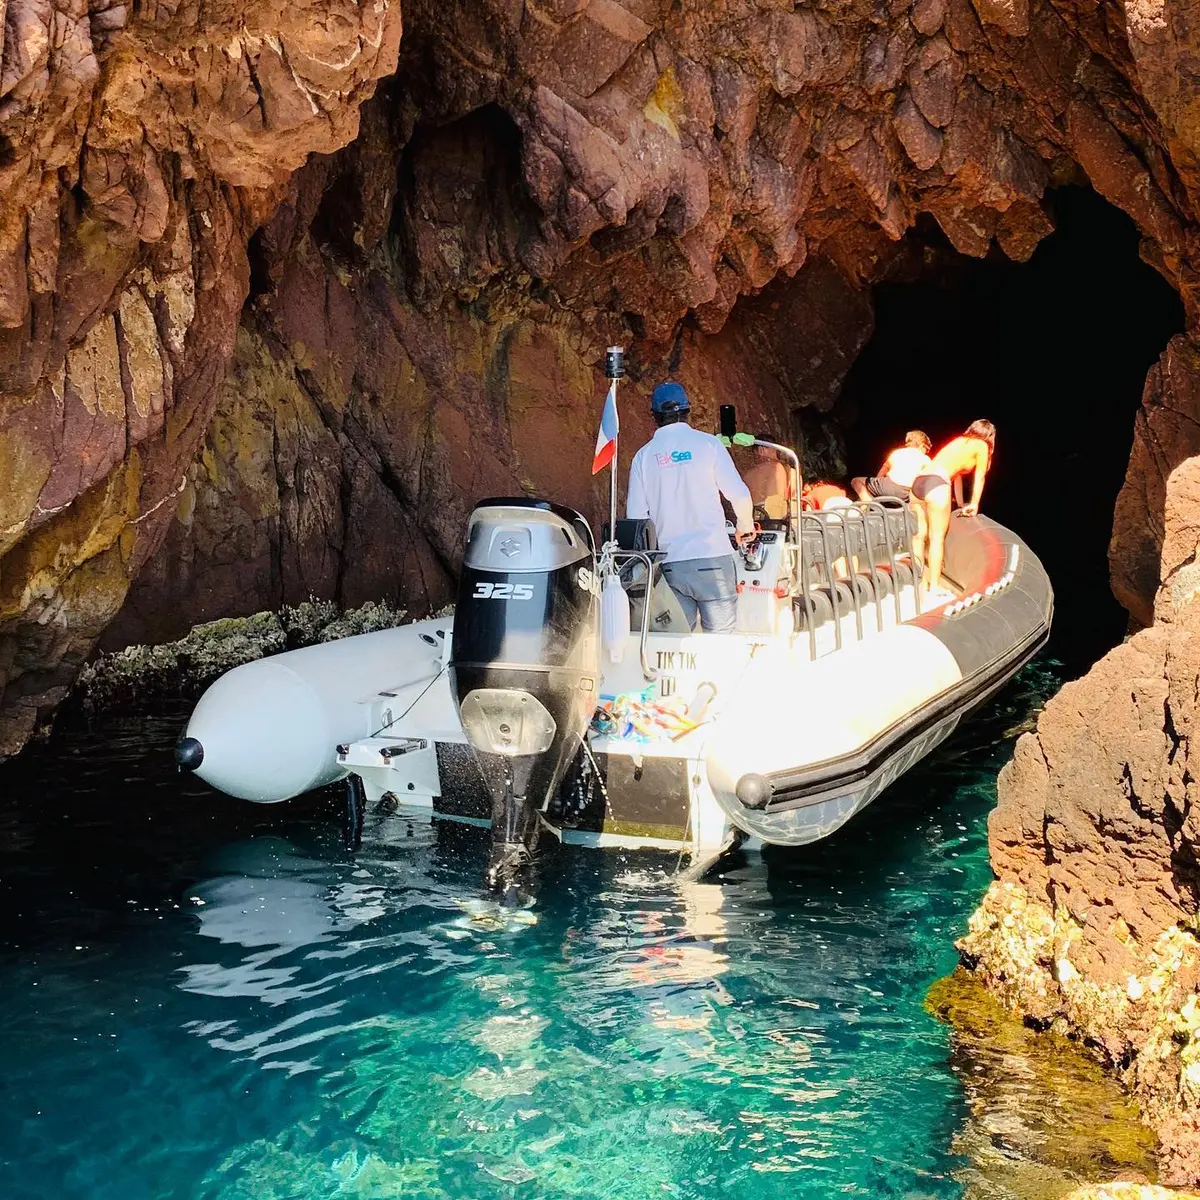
1055 351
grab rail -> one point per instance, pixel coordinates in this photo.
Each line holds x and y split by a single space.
821 521
845 519
650 673
794 498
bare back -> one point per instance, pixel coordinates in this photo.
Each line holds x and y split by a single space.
766 480
960 457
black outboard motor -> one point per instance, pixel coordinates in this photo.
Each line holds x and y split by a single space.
525 664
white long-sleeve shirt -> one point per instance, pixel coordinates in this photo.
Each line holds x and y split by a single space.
677 479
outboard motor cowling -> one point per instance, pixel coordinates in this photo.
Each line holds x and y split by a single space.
525 667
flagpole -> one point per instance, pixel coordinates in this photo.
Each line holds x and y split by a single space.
614 368
612 492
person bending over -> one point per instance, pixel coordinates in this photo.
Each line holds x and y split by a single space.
899 469
677 479
823 496
931 499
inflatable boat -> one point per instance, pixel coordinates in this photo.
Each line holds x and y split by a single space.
526 711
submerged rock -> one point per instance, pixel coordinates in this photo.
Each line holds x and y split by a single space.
1141 1018
1129 1191
1043 1117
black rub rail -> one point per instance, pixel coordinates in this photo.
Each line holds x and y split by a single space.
780 791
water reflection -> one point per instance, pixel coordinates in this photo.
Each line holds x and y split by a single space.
284 1020
687 1034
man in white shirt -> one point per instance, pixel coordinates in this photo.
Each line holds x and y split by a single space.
677 480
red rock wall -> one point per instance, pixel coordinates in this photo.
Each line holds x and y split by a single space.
138 152
1166 434
1092 923
548 178
357 429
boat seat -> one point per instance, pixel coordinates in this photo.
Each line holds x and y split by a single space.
866 531
872 586
666 615
882 582
637 533
815 609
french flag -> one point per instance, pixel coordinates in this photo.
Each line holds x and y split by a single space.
606 439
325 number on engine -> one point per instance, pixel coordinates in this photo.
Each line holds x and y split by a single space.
503 591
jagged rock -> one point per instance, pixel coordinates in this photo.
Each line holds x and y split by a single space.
921 141
139 149
1165 434
347 465
1092 925
716 186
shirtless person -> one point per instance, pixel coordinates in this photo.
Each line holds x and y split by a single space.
821 494
972 452
767 479
899 469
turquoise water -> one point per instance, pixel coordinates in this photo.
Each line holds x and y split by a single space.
200 998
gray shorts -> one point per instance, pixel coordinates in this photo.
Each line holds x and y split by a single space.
708 587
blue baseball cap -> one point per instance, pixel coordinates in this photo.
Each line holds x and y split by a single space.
669 398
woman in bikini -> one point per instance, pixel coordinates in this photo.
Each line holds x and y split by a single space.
931 497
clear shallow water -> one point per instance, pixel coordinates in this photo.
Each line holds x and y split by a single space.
201 998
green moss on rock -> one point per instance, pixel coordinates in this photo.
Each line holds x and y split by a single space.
1044 1116
132 677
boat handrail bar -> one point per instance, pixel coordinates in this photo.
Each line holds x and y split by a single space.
820 522
648 671
843 519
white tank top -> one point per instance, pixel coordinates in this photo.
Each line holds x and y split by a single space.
906 464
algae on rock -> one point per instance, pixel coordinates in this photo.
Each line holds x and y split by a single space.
138 674
1044 1117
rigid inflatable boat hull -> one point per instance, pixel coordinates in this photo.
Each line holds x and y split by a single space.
270 729
971 648
824 736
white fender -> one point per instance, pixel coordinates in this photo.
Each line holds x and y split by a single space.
614 618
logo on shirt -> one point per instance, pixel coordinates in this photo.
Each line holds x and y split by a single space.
676 456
